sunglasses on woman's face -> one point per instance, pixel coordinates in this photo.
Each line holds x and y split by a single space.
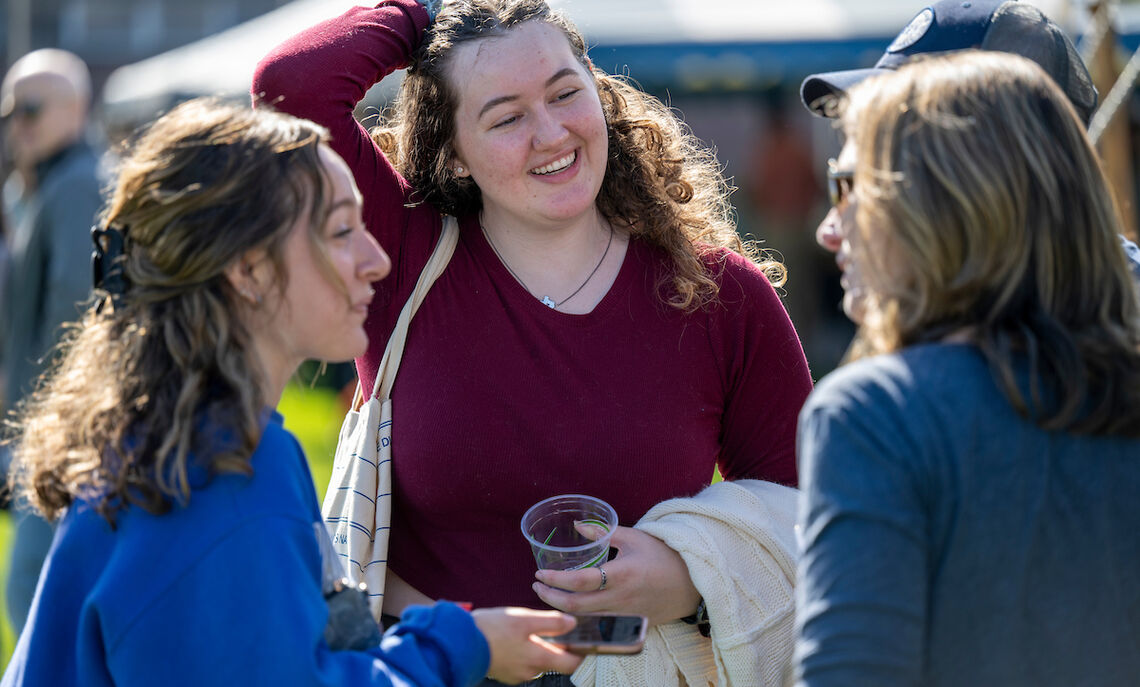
28 111
839 183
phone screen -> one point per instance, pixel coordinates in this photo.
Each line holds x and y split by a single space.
602 631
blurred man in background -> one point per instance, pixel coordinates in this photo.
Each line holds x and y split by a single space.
44 101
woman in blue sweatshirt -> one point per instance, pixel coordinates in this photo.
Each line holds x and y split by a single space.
189 545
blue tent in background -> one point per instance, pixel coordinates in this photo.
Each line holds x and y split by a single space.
742 45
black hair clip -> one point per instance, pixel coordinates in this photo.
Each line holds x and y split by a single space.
107 261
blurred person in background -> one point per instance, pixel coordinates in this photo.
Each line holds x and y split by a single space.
969 482
784 189
13 183
15 189
44 101
995 25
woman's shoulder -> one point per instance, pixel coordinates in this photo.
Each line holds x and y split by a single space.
721 259
281 480
745 298
718 261
739 278
275 485
905 379
895 409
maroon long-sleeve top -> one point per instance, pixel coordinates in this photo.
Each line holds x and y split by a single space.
501 401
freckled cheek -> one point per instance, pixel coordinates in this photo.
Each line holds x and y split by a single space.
591 111
501 162
588 117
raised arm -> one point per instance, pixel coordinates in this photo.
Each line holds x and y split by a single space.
324 71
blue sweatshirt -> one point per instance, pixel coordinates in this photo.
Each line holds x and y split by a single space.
225 590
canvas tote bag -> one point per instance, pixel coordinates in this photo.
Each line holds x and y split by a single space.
358 503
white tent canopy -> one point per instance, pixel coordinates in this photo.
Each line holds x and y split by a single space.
766 21
223 64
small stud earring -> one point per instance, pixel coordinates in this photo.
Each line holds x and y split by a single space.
459 170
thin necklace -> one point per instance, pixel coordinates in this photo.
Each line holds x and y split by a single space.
547 300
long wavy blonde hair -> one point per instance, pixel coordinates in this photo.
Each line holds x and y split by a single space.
661 183
1001 229
165 371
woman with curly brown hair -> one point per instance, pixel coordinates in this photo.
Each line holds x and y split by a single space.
600 329
190 548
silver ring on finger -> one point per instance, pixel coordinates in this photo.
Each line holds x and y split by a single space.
602 586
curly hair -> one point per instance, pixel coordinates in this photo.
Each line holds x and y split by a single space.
141 376
661 183
977 171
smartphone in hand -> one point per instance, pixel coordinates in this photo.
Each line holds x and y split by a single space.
604 634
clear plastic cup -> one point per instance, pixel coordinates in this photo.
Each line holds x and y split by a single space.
556 527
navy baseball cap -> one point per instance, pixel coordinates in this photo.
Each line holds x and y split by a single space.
999 25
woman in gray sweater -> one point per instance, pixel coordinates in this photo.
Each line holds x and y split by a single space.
969 513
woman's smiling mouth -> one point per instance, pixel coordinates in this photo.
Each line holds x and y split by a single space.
556 166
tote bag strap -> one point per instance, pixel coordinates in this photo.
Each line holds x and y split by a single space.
390 363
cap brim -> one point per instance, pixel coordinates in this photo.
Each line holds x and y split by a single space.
820 92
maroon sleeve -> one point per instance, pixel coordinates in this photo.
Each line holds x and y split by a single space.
324 71
766 377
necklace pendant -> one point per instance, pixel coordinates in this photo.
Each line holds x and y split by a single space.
548 302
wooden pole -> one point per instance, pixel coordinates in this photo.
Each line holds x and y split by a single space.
1115 145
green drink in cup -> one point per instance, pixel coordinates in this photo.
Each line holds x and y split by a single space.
569 532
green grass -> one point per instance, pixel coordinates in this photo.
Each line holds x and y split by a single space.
7 641
314 416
